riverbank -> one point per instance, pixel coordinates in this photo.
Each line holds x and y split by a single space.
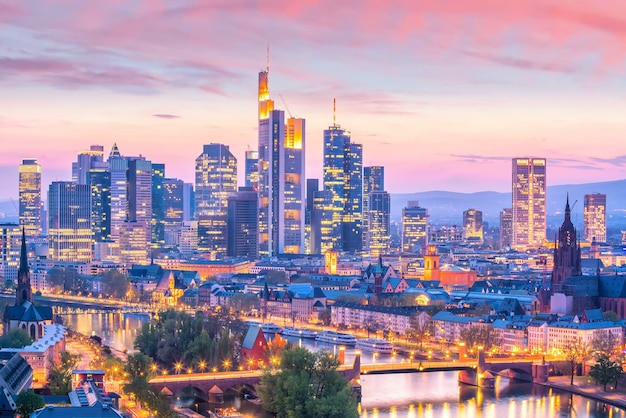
585 386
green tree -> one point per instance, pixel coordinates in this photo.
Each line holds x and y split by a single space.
28 402
244 302
61 373
307 385
325 316
603 344
576 351
605 370
138 373
480 335
16 338
115 284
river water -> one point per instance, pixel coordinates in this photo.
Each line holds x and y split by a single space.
435 395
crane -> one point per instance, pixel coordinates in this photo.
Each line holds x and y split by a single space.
286 107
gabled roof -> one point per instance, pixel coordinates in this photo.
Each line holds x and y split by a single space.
251 336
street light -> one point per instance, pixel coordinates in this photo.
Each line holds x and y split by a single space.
202 365
178 366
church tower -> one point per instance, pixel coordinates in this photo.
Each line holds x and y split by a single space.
566 253
24 292
431 262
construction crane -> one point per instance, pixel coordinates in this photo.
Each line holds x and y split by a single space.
285 103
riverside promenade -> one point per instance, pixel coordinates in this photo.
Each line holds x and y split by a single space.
585 386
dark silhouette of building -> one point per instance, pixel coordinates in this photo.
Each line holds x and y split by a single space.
566 253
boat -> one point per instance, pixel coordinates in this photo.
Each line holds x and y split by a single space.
333 337
299 332
271 328
375 345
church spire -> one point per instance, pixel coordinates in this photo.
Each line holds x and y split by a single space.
23 254
24 292
567 208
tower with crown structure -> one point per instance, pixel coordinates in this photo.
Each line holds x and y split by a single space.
24 314
431 262
566 253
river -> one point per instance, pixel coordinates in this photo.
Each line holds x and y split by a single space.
435 395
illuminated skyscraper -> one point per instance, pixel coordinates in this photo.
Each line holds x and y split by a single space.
414 228
139 215
10 246
506 227
252 169
118 167
373 180
343 177
30 197
281 177
529 202
216 178
322 237
595 217
243 224
86 161
173 209
379 221
69 233
473 225
158 205
312 186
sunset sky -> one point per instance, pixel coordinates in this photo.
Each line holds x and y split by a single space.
442 93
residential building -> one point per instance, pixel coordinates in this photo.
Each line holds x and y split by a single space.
595 217
30 197
69 209
529 202
414 228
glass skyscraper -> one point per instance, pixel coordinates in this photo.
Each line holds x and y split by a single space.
373 181
252 169
529 202
30 197
595 217
69 231
414 228
379 221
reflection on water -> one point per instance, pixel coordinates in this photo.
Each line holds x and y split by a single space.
116 329
394 395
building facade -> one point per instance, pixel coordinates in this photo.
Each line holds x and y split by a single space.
473 225
414 228
506 227
595 217
529 202
69 211
373 180
379 223
243 224
30 197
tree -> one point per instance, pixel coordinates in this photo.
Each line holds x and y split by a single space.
605 370
16 338
275 349
307 385
576 351
324 316
610 316
480 335
138 373
61 373
420 329
115 284
603 344
28 402
244 302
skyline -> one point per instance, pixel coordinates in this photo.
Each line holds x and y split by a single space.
485 82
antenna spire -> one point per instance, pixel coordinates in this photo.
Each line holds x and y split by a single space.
334 111
267 66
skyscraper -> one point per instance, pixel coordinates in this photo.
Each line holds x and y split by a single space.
322 237
85 162
506 227
595 217
10 244
118 167
343 177
69 234
243 224
473 225
30 197
312 186
135 232
379 221
373 180
216 178
173 209
529 202
281 177
158 205
252 169
414 228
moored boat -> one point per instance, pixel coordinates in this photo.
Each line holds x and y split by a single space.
299 332
271 328
375 345
338 338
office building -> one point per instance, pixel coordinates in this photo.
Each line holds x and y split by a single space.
373 180
379 223
473 226
134 243
69 211
414 228
216 178
100 185
87 161
322 236
252 169
10 244
506 227
312 186
158 206
118 167
595 217
30 197
243 224
343 177
529 202
173 209
189 202
281 177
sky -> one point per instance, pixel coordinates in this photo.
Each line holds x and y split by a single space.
442 93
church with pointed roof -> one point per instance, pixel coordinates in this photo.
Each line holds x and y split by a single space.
24 314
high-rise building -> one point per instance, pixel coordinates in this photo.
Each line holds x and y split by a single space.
243 223
373 180
10 244
139 215
506 227
158 205
100 184
414 227
118 167
189 202
595 217
281 177
529 202
134 243
252 169
473 225
312 186
69 211
379 222
173 207
343 177
30 197
216 178
86 161
322 237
